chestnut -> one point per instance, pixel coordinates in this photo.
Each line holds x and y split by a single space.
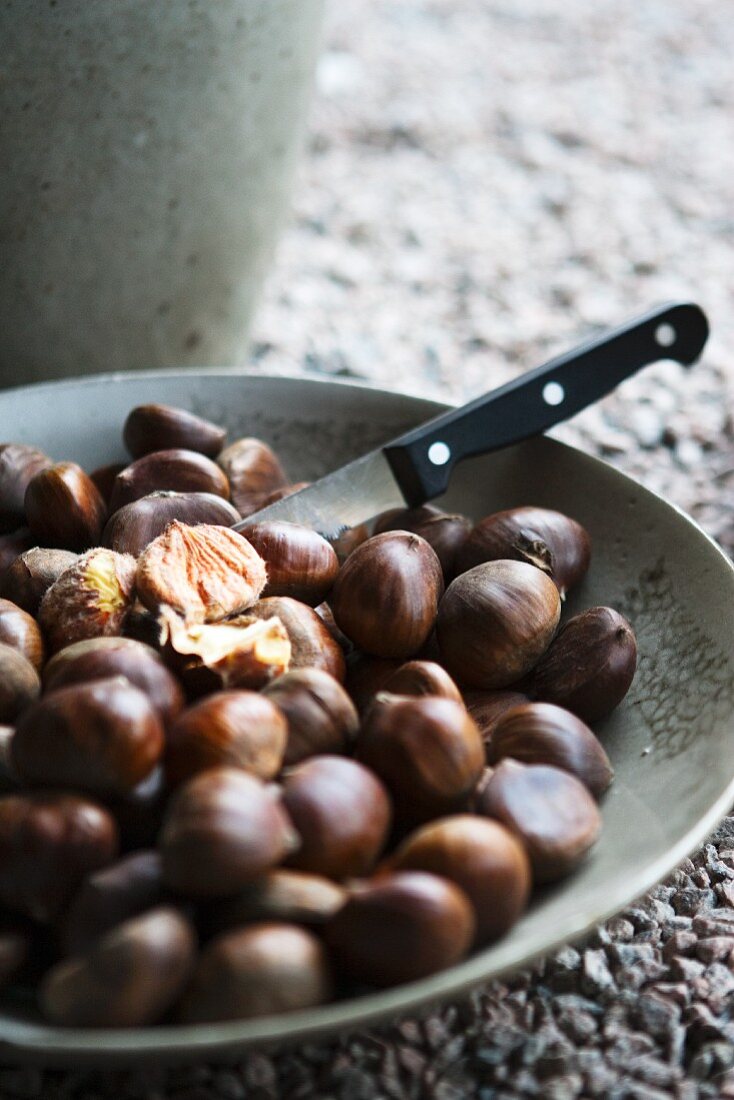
110 896
495 622
48 844
549 540
386 595
139 813
366 676
11 546
482 857
103 737
487 707
280 494
326 615
589 666
341 813
280 895
427 751
349 540
238 729
164 427
128 978
444 532
321 717
64 507
222 829
257 971
400 927
28 578
253 471
541 733
135 525
300 563
18 464
16 946
104 478
100 658
312 646
421 678
9 781
551 812
90 599
19 684
20 631
177 469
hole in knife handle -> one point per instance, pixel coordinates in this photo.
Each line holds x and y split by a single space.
553 393
665 335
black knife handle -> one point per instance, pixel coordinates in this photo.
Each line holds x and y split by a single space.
422 459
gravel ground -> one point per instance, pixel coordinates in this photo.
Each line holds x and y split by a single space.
485 182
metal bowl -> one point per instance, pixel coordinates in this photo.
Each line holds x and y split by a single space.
670 742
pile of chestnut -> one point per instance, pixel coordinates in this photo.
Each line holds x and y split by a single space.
246 772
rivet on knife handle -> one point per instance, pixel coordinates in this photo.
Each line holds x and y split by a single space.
423 458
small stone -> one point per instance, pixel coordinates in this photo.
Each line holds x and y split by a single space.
596 976
712 948
680 943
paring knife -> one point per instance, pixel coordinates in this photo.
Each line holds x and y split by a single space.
417 466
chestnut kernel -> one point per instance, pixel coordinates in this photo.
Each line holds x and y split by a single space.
312 646
422 678
28 578
64 507
253 472
18 464
90 599
320 716
300 563
135 525
177 469
244 652
19 684
164 427
444 532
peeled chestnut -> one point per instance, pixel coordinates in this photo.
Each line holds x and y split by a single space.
19 684
482 857
421 678
312 645
299 561
386 594
367 675
164 427
90 599
427 750
541 733
257 971
320 715
549 810
589 666
281 895
103 737
28 578
223 828
444 532
129 977
238 729
48 844
495 622
253 471
18 464
487 707
100 658
110 896
135 525
400 927
178 470
64 507
341 813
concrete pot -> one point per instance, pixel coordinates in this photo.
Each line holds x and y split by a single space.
147 153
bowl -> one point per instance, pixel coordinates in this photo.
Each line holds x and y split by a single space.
670 742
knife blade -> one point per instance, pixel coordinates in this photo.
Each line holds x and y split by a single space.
417 466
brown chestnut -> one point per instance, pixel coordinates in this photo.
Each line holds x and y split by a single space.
16 946
495 622
312 646
421 678
550 810
549 540
64 507
135 525
386 595
110 896
28 578
280 895
326 615
11 546
9 781
426 749
18 464
541 733
487 707
349 540
320 715
401 927
222 829
164 427
482 857
48 844
260 970
103 737
104 478
100 658
444 532
20 631
299 561
90 599
238 729
253 471
178 470
366 676
589 666
139 813
129 977
19 684
341 813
